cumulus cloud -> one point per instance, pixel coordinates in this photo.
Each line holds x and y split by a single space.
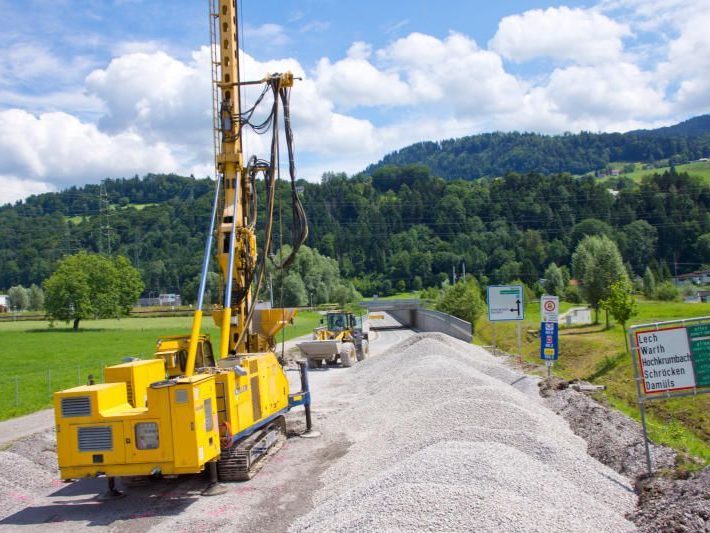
29 62
579 35
59 148
454 71
606 92
14 188
155 95
269 35
355 81
688 64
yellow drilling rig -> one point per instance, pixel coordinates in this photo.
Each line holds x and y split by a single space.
194 408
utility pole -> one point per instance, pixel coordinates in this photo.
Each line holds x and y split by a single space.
453 275
105 219
271 290
464 271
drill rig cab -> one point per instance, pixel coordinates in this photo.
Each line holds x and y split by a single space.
194 405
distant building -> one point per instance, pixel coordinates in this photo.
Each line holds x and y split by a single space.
699 277
162 300
704 296
4 303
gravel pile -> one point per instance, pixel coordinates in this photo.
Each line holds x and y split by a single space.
28 467
681 505
444 437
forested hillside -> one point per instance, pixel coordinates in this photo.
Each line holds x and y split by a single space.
394 228
495 154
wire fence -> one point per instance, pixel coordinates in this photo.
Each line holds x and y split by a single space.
29 391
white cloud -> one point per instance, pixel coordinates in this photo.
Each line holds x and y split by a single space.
29 62
14 188
267 35
57 148
688 64
606 93
355 81
578 35
155 95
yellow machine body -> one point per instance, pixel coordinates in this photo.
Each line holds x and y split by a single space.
100 432
141 424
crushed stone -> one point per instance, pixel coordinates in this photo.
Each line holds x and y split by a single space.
446 437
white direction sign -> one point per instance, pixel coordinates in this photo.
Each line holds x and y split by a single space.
505 302
550 308
665 360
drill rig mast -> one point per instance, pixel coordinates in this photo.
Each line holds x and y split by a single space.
191 407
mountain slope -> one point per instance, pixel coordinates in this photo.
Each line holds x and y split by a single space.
494 154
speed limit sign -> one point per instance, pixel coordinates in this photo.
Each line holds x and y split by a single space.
550 308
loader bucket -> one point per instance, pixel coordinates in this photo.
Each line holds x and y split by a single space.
320 349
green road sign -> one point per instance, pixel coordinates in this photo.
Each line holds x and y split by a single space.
699 337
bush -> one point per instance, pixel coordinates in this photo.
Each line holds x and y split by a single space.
528 293
462 300
430 293
667 291
572 294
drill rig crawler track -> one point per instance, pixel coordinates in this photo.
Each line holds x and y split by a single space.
244 459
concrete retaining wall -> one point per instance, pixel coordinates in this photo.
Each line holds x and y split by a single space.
428 320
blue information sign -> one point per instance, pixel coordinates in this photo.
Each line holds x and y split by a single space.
548 341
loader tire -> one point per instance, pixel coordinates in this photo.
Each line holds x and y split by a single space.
347 355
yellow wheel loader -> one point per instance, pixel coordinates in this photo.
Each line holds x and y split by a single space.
195 407
340 338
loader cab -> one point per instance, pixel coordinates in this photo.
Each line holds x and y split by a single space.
340 321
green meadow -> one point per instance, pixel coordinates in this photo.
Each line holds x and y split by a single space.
36 359
598 355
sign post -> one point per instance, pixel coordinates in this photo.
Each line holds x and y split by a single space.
549 327
671 359
506 303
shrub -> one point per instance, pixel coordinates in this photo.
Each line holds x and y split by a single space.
572 295
667 291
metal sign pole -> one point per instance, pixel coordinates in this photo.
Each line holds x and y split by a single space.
520 349
642 410
494 334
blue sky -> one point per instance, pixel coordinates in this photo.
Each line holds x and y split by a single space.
110 88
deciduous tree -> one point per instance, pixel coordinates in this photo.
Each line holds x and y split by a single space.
88 285
554 280
19 298
620 303
597 264
462 300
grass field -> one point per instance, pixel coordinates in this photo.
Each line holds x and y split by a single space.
38 360
698 168
598 355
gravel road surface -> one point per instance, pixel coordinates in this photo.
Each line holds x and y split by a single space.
429 433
